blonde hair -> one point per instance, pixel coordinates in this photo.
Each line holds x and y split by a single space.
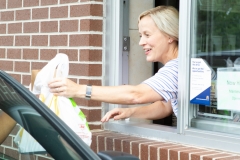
166 18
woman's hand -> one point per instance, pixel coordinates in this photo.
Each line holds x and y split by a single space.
64 87
117 114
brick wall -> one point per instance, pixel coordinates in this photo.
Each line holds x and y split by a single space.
147 149
32 32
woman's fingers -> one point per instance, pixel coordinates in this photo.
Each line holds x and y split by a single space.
116 114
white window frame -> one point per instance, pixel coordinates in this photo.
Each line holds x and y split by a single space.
113 76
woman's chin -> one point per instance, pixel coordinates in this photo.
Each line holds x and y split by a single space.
148 59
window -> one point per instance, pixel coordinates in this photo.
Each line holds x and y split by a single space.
199 125
216 33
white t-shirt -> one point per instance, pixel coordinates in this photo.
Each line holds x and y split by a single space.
165 83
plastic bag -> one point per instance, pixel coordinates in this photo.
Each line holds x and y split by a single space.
237 62
63 107
26 143
67 110
229 62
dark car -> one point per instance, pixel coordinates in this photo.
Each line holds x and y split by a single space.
57 139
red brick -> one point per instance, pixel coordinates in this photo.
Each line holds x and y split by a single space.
14 53
38 65
144 150
154 149
6 65
136 147
197 156
6 40
40 13
85 40
91 82
30 54
59 12
185 154
174 153
90 55
3 4
94 126
7 142
2 53
7 16
48 2
26 79
31 27
30 157
68 26
23 14
30 3
22 41
71 53
164 151
17 77
13 153
58 40
91 25
14 28
91 0
89 103
15 130
49 26
14 3
47 54
86 10
118 142
22 66
39 40
101 143
94 145
127 143
85 69
3 29
67 1
92 115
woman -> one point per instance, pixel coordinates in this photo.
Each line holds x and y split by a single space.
158 29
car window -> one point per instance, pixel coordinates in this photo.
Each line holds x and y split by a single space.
53 139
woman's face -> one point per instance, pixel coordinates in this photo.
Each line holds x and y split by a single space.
154 42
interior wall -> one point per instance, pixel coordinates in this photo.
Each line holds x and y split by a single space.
139 68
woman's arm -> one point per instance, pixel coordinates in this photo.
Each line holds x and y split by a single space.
156 110
125 94
6 125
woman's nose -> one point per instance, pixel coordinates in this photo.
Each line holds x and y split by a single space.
142 41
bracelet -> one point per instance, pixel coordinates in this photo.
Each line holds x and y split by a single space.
88 92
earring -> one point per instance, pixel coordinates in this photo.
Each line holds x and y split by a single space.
170 41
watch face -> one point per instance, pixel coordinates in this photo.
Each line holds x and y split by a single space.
88 92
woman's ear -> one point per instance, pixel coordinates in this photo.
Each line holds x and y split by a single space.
170 40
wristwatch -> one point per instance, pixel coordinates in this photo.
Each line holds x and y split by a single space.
88 92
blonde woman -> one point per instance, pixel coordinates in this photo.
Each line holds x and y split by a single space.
158 30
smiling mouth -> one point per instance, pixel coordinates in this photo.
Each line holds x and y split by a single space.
147 51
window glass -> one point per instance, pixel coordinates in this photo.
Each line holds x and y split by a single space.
216 35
